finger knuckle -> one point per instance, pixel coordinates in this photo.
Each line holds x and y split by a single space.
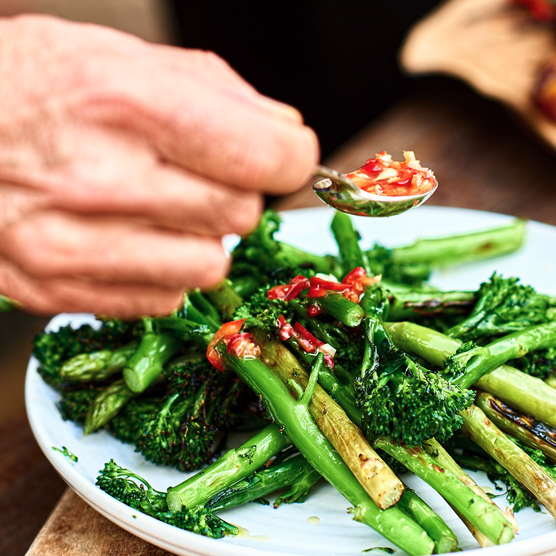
213 268
31 244
241 215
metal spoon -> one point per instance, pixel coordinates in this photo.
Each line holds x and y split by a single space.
339 192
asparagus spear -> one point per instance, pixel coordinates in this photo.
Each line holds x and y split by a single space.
107 405
98 365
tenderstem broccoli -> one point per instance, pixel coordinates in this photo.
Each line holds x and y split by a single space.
233 466
523 392
399 398
134 491
295 473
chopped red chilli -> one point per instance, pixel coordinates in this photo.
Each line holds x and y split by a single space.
314 310
241 345
306 340
289 291
351 287
384 176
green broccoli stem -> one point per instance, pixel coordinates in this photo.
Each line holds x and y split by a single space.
438 452
530 395
508 347
295 472
525 393
225 299
233 466
428 344
343 396
244 286
528 431
107 405
330 334
516 462
203 309
342 309
350 254
97 365
457 249
146 364
298 424
414 304
444 538
470 505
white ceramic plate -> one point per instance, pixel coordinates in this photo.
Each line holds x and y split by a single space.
288 530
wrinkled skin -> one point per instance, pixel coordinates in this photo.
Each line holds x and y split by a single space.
122 164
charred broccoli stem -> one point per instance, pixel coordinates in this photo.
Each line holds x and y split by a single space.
528 431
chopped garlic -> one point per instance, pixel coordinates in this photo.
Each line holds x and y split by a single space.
327 277
327 349
387 173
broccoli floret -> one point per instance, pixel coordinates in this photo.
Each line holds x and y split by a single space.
160 438
132 418
52 349
134 491
404 401
74 404
261 312
201 402
504 305
540 364
260 255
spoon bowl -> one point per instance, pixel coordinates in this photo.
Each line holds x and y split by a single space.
339 192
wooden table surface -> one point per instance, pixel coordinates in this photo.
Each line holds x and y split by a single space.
483 160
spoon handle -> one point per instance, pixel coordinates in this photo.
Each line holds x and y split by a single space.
338 181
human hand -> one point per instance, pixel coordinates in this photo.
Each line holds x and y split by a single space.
122 164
